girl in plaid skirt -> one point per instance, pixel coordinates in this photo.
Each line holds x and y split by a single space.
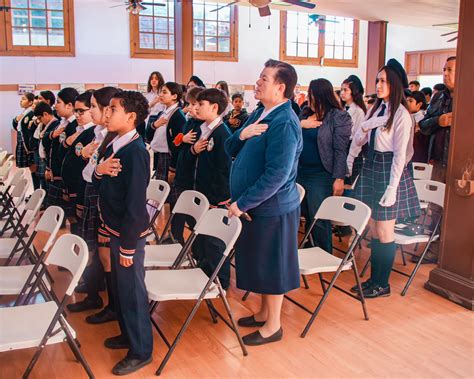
20 124
385 183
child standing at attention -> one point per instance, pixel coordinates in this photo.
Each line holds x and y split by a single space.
237 116
122 179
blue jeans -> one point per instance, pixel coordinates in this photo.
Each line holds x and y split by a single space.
318 187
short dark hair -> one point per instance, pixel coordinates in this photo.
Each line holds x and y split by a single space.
415 82
41 108
419 98
427 91
30 96
439 87
197 80
237 96
85 98
68 95
192 93
214 96
175 89
451 58
133 101
48 95
285 74
104 94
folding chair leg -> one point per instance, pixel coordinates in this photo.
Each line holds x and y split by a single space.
321 279
33 361
366 266
305 281
234 324
415 270
403 255
359 286
246 295
211 311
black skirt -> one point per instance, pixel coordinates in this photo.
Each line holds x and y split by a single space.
266 255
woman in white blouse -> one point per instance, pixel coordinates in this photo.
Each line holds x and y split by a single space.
385 183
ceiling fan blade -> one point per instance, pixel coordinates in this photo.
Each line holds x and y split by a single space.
120 5
223 6
300 3
446 24
447 34
264 11
452 39
155 4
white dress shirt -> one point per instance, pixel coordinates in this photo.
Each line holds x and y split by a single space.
100 133
159 143
81 128
158 107
357 116
206 129
120 141
41 150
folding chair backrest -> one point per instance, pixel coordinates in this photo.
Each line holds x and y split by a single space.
422 171
33 205
192 203
70 252
301 191
19 192
3 154
158 191
430 191
345 210
5 169
50 222
216 223
17 177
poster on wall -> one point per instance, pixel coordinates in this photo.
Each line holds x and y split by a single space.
24 88
142 87
79 87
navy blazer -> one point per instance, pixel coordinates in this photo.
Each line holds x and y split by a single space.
262 177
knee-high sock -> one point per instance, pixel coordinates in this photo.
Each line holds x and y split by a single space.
374 259
387 256
110 292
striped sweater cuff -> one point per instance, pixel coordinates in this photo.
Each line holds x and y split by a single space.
126 253
97 175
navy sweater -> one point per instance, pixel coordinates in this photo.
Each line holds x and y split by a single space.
122 199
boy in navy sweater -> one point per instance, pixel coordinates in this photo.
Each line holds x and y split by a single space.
211 175
122 179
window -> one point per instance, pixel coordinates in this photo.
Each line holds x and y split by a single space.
37 27
215 32
330 40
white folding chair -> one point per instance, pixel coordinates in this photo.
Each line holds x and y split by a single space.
190 203
3 154
315 260
422 171
5 170
156 194
194 284
13 201
5 189
38 325
301 191
15 280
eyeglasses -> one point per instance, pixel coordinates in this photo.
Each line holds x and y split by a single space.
80 112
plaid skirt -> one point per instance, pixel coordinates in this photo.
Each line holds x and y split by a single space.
175 192
90 217
161 164
22 158
40 164
371 186
56 191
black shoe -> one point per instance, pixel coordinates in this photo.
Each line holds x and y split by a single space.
364 286
117 342
128 365
85 305
376 291
249 322
256 339
105 315
428 258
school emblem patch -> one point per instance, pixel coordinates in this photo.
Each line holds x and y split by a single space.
94 158
62 137
26 119
210 144
78 149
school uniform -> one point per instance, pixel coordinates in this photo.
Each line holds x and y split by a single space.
22 153
355 157
162 140
122 203
262 182
33 145
388 155
240 117
421 142
40 156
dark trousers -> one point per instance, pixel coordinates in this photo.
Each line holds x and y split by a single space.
318 187
132 300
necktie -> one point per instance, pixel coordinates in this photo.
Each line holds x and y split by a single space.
347 107
371 150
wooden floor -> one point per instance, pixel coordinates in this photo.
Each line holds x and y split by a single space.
420 335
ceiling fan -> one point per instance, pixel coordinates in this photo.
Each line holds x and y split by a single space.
136 6
451 25
264 8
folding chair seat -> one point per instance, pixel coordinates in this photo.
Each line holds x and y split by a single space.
315 260
5 189
14 280
194 284
14 201
190 203
156 194
39 325
5 171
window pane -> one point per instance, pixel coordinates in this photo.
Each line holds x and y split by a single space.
56 37
171 42
159 11
38 37
145 24
330 26
210 44
171 25
338 52
38 4
303 34
55 4
20 17
329 52
224 29
224 45
339 39
302 20
161 41
313 35
291 49
349 25
198 11
55 20
291 35
329 38
146 41
161 25
198 28
38 19
198 43
20 36
148 11
302 50
208 7
312 51
211 28
292 20
170 8
19 3
348 39
224 14
348 53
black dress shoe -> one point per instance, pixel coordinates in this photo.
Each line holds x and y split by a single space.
256 339
376 291
117 342
128 365
249 322
105 315
364 286
85 305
